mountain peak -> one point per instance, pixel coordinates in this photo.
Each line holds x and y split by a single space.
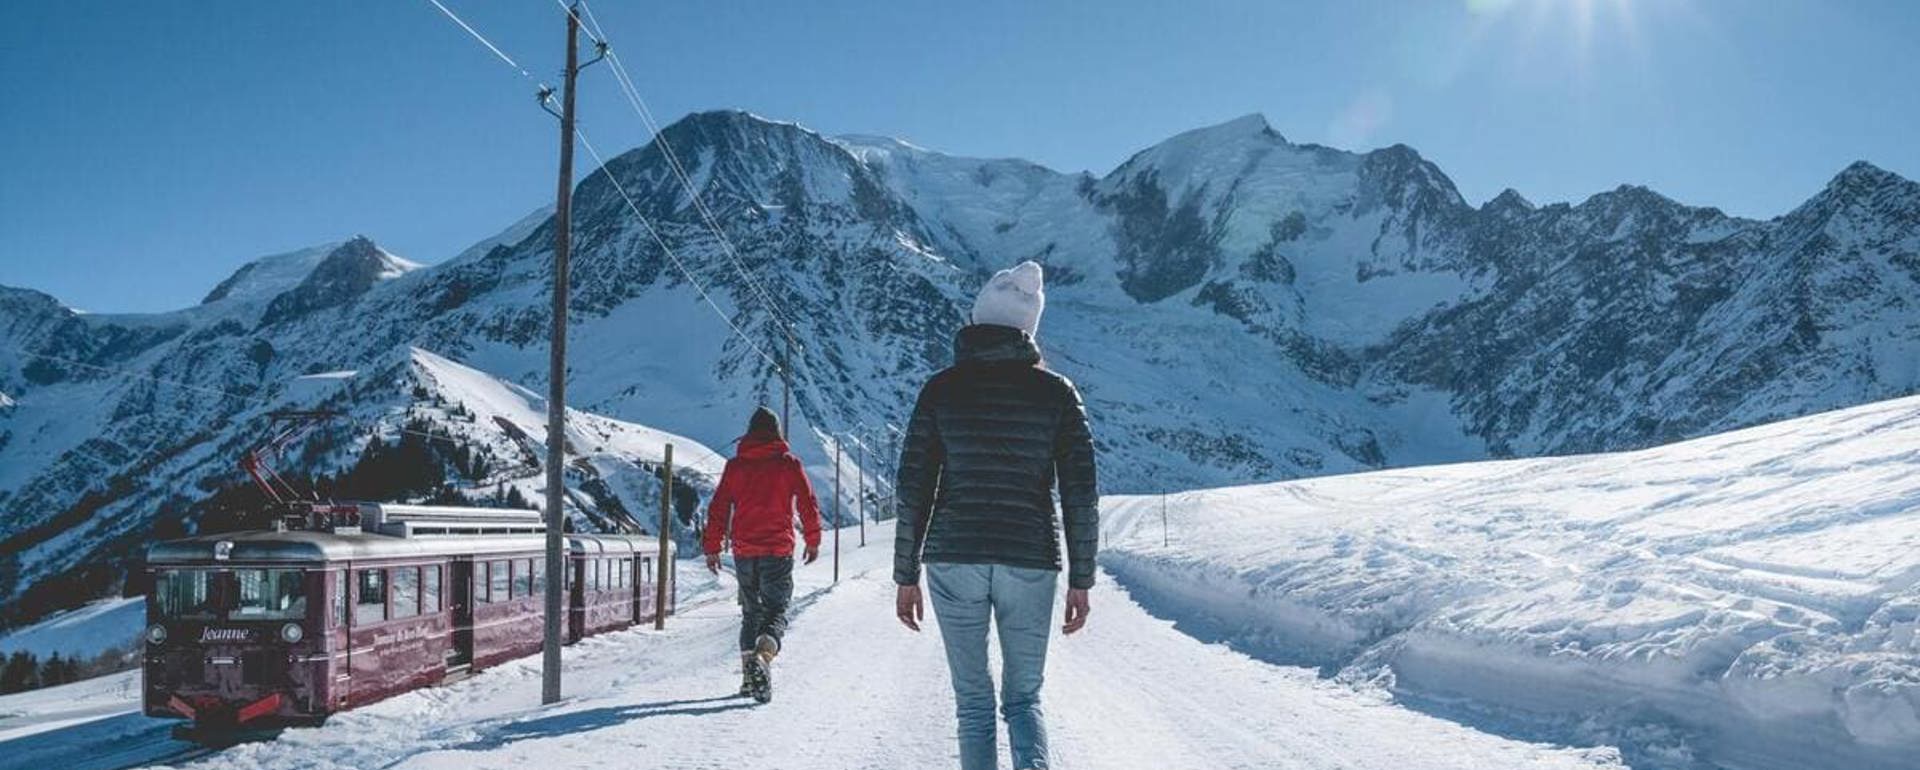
1398 170
264 278
1630 194
725 127
1252 125
343 274
1509 200
1861 176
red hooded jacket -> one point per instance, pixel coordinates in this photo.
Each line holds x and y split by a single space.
758 494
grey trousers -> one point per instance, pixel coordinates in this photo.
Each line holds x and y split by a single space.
766 588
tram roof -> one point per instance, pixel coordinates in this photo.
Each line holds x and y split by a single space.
266 546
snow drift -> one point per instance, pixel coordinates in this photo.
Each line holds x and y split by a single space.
1750 599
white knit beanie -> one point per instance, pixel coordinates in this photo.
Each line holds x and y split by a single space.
1013 297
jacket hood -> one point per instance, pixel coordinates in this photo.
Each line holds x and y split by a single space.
992 343
756 447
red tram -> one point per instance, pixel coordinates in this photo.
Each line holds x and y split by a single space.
270 628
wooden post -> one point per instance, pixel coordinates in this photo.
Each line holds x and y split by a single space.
860 472
557 380
666 559
836 511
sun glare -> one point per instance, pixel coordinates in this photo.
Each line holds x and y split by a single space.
1582 20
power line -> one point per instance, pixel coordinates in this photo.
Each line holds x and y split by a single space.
598 34
635 208
639 105
482 38
774 308
668 250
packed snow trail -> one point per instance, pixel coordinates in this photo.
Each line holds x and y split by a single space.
853 690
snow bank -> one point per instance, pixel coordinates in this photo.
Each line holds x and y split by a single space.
1750 599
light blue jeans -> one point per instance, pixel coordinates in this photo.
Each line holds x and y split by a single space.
1020 602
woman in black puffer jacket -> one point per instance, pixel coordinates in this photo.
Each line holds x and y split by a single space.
990 439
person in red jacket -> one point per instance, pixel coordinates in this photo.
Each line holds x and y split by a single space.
759 493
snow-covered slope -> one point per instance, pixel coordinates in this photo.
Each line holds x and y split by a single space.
1750 599
413 425
1236 307
81 633
853 690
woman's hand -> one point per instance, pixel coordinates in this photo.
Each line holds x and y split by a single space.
713 563
909 607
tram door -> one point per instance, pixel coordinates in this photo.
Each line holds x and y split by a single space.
460 593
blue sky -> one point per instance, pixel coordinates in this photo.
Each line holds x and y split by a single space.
147 149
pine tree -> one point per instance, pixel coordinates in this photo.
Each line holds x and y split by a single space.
21 673
53 672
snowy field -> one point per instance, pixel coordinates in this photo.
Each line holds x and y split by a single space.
1746 600
854 691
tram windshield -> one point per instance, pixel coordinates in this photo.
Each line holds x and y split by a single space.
185 594
242 594
270 594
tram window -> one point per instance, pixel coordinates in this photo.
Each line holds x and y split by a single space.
523 578
626 573
372 604
406 591
184 593
539 577
497 581
430 589
340 599
599 575
271 594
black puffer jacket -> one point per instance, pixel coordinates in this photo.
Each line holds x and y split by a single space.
988 439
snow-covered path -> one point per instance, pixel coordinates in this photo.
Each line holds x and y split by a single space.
854 690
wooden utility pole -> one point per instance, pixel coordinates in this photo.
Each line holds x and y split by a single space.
557 379
836 511
666 559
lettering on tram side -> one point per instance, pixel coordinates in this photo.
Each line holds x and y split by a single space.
225 635
410 634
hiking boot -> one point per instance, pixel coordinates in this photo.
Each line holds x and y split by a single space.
767 648
747 661
759 678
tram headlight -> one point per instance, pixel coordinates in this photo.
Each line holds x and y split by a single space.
156 634
292 632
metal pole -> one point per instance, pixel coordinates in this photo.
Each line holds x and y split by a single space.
786 387
557 380
666 560
836 511
860 468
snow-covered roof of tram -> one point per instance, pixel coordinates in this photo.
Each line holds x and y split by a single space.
308 546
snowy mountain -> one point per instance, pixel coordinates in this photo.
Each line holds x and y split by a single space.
1236 307
1744 600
